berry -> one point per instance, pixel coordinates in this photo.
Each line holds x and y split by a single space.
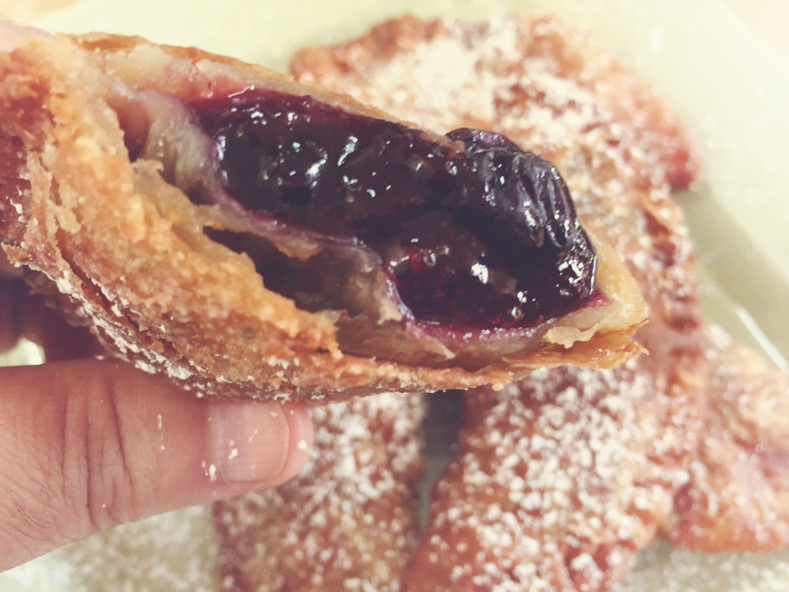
473 233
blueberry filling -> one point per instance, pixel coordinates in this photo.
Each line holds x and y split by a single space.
341 211
472 232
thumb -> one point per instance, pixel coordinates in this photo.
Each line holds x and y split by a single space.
90 444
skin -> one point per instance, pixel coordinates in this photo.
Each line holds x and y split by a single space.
87 444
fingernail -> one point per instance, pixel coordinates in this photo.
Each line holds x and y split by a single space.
250 442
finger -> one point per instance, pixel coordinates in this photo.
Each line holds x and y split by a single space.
88 445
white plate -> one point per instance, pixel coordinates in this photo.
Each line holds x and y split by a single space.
732 92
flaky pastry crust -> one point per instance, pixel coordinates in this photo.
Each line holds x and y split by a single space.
126 252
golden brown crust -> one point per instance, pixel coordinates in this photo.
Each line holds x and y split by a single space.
128 253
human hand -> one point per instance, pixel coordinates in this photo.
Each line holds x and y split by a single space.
87 444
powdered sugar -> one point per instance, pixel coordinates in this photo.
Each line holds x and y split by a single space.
349 521
132 558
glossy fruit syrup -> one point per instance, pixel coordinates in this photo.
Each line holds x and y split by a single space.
473 231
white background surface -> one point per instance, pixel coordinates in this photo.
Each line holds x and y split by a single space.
733 90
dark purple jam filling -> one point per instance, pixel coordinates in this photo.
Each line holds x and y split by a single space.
474 233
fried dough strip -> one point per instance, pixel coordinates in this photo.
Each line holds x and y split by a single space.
737 498
556 485
348 522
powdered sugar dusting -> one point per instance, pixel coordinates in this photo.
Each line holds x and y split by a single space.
550 485
348 522
132 558
737 498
